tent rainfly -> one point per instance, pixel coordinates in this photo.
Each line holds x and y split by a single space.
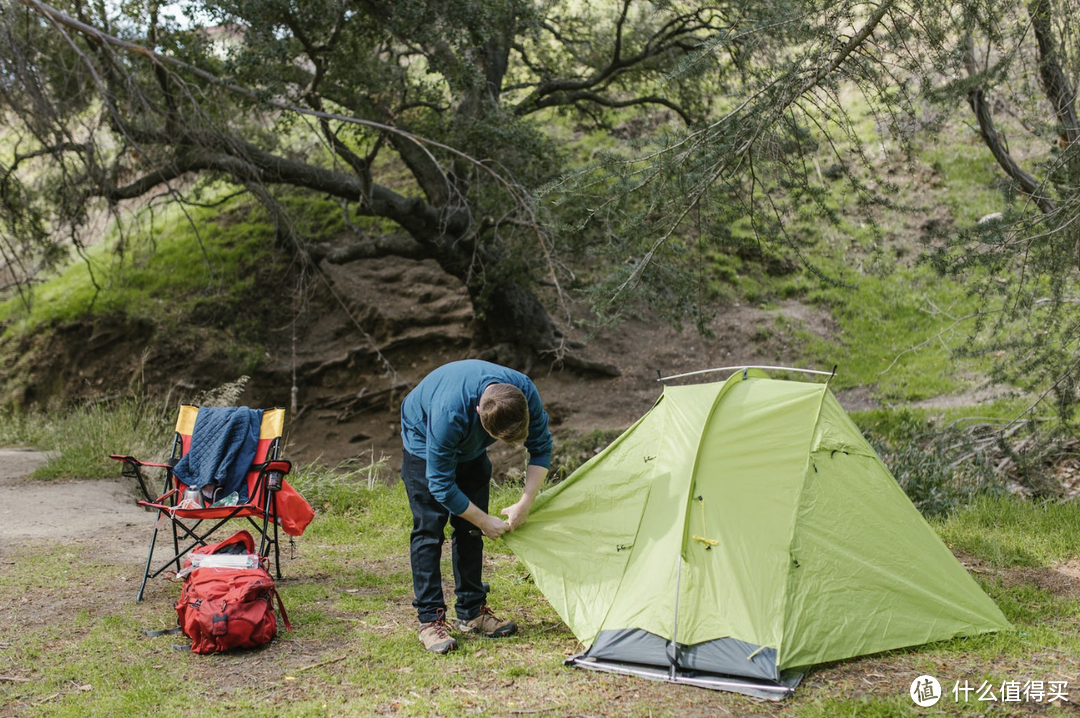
737 534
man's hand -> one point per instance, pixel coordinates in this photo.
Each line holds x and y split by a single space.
518 514
491 526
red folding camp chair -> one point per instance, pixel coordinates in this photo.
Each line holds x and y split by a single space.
271 500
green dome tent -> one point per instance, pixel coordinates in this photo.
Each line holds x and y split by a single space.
738 533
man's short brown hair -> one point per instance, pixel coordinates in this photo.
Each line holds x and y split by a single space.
504 413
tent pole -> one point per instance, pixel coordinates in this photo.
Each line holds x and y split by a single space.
675 629
748 366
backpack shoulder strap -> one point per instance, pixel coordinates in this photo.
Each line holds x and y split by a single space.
281 608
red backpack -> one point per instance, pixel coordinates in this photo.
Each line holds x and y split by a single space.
229 602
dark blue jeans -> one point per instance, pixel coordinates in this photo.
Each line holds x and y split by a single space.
466 541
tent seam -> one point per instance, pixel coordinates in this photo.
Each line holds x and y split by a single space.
784 607
637 530
729 383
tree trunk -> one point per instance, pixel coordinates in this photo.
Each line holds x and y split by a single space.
1054 81
521 333
993 139
514 323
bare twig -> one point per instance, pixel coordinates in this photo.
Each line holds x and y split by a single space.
920 345
321 664
733 161
1053 386
536 710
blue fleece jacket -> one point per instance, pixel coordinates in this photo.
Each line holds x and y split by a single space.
440 425
223 445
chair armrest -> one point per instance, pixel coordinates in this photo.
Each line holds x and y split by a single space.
273 472
133 470
133 460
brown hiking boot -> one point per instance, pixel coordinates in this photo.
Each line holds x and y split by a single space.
436 635
488 624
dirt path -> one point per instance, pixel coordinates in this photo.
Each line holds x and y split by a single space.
100 511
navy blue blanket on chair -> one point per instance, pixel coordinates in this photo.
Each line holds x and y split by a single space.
223 445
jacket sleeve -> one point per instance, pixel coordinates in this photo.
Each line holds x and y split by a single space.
539 441
442 443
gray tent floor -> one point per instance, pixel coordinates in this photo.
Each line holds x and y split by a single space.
768 690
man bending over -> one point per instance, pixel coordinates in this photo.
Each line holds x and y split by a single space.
447 423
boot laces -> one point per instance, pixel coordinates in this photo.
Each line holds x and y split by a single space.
439 625
488 619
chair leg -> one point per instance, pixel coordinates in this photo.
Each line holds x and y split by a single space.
277 544
176 545
264 540
149 559
270 509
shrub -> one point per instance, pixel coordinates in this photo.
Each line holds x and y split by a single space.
343 487
935 479
79 441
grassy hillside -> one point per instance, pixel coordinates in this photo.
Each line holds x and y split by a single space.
897 323
202 284
179 266
213 277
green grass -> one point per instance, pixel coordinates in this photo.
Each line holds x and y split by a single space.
78 441
1007 531
354 651
163 274
907 423
213 279
203 266
968 172
351 587
900 707
896 334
